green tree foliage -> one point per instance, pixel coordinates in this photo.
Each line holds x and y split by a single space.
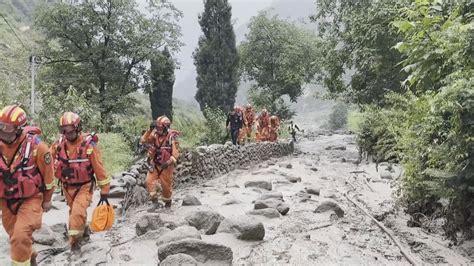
215 130
216 58
359 41
279 57
438 42
102 47
162 81
338 117
430 129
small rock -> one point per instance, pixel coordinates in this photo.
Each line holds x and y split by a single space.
293 179
259 184
179 259
267 212
232 186
329 205
154 234
231 202
172 221
129 180
203 252
179 233
226 193
313 190
191 201
117 193
343 160
280 206
147 223
244 227
314 169
289 166
208 221
272 195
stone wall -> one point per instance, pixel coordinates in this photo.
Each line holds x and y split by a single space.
196 166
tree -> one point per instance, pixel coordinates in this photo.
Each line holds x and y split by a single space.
101 48
216 57
279 57
359 48
162 81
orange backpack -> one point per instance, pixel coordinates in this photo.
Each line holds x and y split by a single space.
103 216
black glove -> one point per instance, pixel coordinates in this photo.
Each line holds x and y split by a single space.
104 197
152 125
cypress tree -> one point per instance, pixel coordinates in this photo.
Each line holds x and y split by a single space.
162 81
216 57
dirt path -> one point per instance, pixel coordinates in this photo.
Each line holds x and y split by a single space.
300 237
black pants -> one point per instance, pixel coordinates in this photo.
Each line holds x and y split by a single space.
293 134
234 133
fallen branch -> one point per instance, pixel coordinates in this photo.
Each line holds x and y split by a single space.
358 172
320 226
367 183
385 230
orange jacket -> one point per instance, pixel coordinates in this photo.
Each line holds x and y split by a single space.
249 117
43 161
150 138
95 156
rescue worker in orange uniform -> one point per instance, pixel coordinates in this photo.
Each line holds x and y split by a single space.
263 126
163 154
26 183
249 120
79 167
274 128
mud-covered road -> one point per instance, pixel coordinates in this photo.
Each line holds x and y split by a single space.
324 164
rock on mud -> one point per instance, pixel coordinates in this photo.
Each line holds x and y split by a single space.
179 233
191 201
279 205
293 179
203 252
267 212
272 195
259 184
147 223
208 221
244 227
313 190
328 206
179 259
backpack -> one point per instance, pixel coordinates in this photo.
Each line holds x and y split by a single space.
103 216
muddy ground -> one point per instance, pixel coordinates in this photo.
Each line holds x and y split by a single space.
301 237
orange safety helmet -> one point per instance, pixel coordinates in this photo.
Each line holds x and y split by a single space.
163 121
12 117
264 111
70 120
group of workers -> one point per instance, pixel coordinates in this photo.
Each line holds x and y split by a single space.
240 122
30 172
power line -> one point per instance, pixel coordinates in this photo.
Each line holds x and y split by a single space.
13 30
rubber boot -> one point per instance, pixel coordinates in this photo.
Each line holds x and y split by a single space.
33 259
87 234
168 204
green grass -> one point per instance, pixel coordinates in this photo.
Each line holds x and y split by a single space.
116 154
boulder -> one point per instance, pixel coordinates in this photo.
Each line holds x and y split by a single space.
208 221
179 233
191 201
267 212
328 206
179 259
203 252
243 227
259 184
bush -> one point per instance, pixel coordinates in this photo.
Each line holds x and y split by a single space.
215 130
116 153
131 130
338 117
354 121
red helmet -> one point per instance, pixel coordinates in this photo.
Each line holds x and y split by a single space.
12 117
163 121
69 121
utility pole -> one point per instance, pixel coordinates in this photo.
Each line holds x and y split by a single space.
34 61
